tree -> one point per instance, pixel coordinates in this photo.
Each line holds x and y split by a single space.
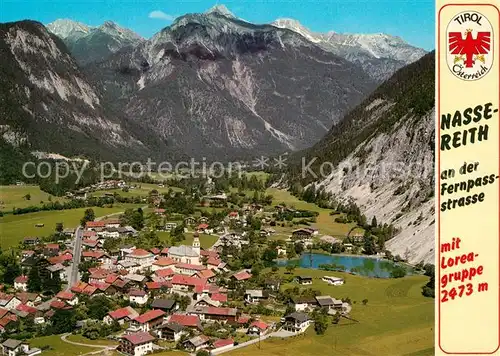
299 248
202 353
88 215
336 318
374 222
27 196
34 280
63 321
369 244
398 272
320 322
99 306
52 284
290 268
365 301
59 227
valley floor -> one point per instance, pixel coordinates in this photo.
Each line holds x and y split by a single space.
396 321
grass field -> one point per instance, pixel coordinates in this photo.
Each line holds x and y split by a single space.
143 190
59 347
397 320
12 196
324 222
83 340
13 228
206 241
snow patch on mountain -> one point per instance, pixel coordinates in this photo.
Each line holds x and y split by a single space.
65 28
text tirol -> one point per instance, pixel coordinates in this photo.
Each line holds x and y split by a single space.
468 125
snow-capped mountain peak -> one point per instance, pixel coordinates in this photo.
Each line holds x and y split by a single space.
65 28
221 10
113 29
297 27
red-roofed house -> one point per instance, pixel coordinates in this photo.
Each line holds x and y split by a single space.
91 235
21 283
159 211
258 328
162 262
216 313
219 297
91 244
112 223
68 297
155 251
58 304
141 257
27 309
94 224
202 227
54 247
153 286
147 321
121 315
164 251
213 262
111 278
188 321
6 321
206 273
137 344
165 273
186 283
188 269
242 276
222 344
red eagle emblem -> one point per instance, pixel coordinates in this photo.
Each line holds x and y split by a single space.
469 46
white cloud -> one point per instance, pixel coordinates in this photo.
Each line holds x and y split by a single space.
157 14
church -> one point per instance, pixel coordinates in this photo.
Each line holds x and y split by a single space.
186 254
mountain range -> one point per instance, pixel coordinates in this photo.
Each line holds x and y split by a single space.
210 85
382 154
215 86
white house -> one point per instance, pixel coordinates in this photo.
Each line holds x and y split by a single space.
13 347
21 283
141 257
68 297
336 281
138 296
296 322
9 301
137 344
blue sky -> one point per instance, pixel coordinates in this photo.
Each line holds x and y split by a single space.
413 20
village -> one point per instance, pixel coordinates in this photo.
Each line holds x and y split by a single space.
203 284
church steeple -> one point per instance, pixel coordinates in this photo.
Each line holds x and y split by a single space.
196 244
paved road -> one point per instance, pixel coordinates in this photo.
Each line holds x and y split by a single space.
64 338
73 275
279 334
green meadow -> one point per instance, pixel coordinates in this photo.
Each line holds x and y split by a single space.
397 320
13 228
13 196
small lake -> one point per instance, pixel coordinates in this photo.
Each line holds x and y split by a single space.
364 266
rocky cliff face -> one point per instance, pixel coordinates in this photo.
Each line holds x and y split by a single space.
379 54
222 88
49 104
383 158
390 176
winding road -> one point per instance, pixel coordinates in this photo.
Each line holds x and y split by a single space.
100 347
